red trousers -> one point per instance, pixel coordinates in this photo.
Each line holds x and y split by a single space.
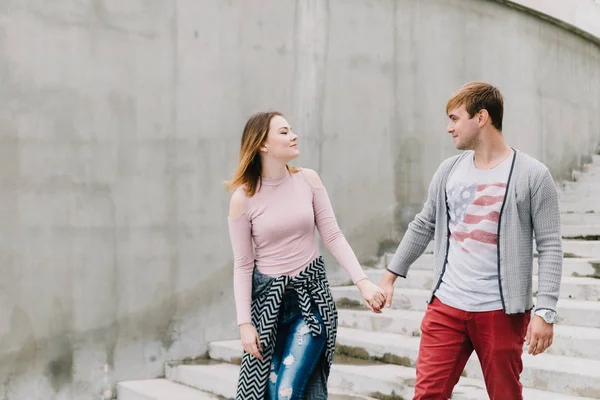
450 335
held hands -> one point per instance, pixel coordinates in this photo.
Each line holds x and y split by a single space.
539 335
251 340
387 285
373 295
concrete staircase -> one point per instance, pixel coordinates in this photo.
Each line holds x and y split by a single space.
376 353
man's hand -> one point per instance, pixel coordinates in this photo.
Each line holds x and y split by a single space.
372 295
539 335
387 284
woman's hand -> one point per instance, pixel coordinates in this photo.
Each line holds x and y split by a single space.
373 295
251 340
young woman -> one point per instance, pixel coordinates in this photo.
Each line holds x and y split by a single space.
285 310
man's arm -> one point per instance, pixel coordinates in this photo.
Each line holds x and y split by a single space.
545 216
418 235
420 231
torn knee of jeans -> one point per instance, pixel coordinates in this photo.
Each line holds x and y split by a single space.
285 393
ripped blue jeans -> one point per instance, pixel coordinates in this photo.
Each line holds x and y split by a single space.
297 352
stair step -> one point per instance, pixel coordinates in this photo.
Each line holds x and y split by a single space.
592 164
571 341
559 374
229 351
221 379
589 189
576 267
474 389
396 380
159 389
405 322
344 376
366 380
339 394
589 173
578 193
573 231
582 248
570 312
577 288
580 288
583 205
567 219
576 197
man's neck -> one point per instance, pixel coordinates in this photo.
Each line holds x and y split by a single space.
491 152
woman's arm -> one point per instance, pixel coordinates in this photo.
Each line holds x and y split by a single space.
336 243
240 234
328 228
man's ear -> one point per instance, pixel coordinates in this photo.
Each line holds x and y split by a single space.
483 117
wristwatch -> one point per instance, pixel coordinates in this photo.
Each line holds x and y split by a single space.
547 315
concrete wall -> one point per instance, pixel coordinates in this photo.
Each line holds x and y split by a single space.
105 198
121 119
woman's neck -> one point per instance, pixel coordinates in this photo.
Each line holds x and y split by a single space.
273 169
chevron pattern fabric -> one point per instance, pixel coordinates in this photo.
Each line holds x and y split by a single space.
312 287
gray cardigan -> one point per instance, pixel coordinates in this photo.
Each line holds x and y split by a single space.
530 206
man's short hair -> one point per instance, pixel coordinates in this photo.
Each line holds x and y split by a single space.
477 96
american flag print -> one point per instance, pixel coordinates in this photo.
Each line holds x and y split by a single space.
474 213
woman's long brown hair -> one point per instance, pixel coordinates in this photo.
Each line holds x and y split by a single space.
249 167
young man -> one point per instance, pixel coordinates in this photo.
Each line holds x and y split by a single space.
483 208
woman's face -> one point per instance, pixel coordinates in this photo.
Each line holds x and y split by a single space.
281 142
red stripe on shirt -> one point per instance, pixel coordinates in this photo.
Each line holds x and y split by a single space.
488 200
477 235
481 188
494 216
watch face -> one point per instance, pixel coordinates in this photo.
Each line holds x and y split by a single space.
547 315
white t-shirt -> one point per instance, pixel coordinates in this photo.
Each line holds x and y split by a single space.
475 198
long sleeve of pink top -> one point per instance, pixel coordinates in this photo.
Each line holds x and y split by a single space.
281 220
240 233
332 236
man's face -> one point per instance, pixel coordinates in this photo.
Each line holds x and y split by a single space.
464 130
